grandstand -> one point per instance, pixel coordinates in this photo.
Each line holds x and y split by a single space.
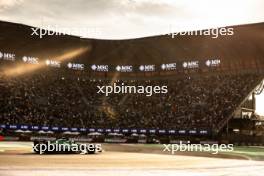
50 84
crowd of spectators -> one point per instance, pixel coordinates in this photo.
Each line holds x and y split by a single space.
50 98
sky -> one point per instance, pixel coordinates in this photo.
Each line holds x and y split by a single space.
260 104
122 19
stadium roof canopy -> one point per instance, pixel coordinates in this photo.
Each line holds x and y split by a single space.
245 44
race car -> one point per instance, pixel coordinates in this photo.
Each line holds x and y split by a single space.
63 146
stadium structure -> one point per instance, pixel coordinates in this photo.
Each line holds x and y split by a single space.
48 87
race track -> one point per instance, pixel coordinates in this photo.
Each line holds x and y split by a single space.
17 159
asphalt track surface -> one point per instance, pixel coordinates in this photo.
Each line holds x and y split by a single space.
17 159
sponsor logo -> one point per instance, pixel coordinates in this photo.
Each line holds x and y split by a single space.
102 68
213 63
7 56
124 68
53 63
75 66
30 60
147 68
